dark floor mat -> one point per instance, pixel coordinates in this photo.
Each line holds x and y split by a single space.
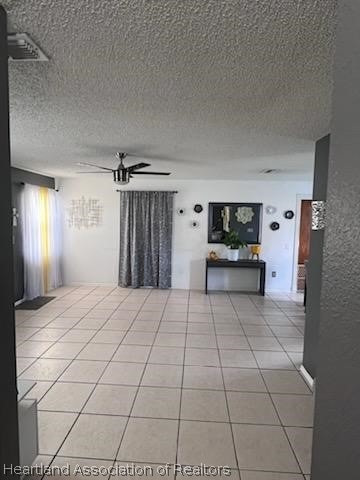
34 304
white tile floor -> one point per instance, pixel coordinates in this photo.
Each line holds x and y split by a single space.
156 377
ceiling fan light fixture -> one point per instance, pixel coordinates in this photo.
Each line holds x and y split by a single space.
121 176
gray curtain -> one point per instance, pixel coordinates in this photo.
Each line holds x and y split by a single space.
145 239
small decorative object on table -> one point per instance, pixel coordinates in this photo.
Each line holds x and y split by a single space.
255 251
233 242
213 255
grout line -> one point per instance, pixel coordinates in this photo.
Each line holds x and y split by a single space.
221 422
53 456
226 398
176 387
156 463
275 336
278 415
29 339
138 386
159 322
182 385
78 416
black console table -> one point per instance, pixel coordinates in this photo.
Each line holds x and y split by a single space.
224 263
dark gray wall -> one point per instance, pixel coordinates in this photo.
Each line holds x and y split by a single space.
9 453
19 175
336 449
314 267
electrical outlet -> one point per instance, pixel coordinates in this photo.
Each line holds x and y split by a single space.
273 274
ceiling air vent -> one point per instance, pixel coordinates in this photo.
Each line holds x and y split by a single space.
22 49
269 171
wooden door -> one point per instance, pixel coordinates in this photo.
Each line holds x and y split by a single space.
305 229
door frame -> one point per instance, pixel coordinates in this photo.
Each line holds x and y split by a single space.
9 436
299 198
19 280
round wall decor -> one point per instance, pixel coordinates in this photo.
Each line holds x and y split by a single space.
289 214
274 226
181 211
198 208
270 209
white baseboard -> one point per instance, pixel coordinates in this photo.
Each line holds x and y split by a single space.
307 377
90 284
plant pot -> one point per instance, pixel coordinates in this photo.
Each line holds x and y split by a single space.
244 253
233 254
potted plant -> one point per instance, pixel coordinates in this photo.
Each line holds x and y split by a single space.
233 242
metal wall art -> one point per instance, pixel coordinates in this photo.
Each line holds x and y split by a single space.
194 224
244 214
318 216
270 210
274 226
85 213
180 211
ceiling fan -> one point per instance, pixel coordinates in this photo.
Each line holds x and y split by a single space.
122 174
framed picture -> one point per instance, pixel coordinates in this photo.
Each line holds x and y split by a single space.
244 218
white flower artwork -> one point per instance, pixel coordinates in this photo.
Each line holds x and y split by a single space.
244 214
85 213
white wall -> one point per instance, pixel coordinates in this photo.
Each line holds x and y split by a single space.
91 255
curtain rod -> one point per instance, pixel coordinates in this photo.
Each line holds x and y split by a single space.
169 191
35 185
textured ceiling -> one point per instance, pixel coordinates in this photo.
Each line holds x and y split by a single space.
222 88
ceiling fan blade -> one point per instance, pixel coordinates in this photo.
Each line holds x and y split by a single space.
132 168
101 171
151 173
85 164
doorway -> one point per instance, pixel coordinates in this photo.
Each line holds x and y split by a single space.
304 243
